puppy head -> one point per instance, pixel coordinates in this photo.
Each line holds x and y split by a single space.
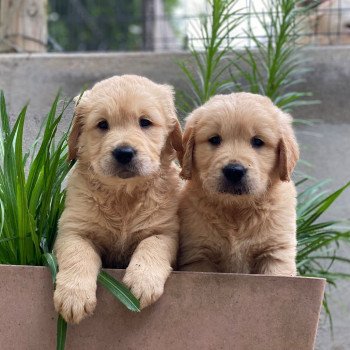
239 144
125 127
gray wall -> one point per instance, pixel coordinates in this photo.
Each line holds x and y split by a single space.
326 145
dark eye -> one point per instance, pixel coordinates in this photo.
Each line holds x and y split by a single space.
256 142
215 140
145 123
103 125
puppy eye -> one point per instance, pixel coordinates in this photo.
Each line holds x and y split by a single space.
103 125
215 140
145 123
256 142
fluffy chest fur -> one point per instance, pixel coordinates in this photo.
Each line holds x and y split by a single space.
235 238
117 219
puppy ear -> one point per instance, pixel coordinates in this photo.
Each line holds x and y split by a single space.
76 126
176 140
73 138
288 149
187 160
175 135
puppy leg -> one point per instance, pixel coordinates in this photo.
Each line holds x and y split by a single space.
79 265
150 267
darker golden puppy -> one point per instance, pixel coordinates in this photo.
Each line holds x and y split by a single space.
122 194
237 212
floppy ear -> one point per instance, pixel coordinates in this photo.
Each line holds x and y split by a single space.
288 150
176 140
73 138
187 160
76 127
175 135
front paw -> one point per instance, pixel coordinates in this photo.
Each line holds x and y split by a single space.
147 285
74 304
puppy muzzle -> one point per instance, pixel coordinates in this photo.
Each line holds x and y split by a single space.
123 162
124 155
234 179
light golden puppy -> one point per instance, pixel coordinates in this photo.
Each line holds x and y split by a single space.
237 212
122 196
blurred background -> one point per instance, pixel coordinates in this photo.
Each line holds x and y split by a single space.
147 25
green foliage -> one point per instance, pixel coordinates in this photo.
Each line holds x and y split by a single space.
273 67
51 262
61 333
319 240
315 235
207 77
119 291
31 198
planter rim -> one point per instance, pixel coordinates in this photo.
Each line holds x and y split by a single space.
244 275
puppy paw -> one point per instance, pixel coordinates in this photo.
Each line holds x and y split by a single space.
74 304
147 285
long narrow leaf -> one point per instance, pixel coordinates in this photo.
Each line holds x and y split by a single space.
119 291
51 262
61 333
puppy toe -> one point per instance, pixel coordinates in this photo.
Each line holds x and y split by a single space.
151 295
74 305
145 287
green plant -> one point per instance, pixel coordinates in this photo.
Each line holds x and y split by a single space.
207 76
275 66
271 67
318 240
32 200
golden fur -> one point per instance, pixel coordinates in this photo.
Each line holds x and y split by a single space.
249 230
117 217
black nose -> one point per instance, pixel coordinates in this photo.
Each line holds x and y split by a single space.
234 172
124 154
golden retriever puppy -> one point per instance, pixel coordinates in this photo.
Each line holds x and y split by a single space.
237 211
122 195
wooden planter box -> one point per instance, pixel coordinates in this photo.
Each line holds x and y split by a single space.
197 311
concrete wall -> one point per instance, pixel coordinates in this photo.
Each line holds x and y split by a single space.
326 145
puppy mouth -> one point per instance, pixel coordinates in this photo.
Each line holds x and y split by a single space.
123 172
126 174
234 179
237 190
135 168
